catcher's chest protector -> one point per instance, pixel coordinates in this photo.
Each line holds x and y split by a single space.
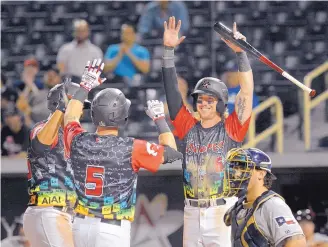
245 232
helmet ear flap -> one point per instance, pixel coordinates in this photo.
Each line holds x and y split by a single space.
220 107
194 103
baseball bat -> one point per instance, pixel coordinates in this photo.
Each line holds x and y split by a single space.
227 34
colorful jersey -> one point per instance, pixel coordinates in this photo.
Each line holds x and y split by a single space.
204 152
105 171
50 180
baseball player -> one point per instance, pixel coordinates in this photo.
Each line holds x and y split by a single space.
106 166
260 217
206 142
47 220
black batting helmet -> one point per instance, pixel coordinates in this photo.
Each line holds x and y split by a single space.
213 87
58 92
110 108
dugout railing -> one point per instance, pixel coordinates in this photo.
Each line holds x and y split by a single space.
277 128
309 103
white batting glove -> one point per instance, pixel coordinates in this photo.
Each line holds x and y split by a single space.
91 75
155 109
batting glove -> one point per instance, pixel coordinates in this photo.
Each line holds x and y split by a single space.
155 109
91 75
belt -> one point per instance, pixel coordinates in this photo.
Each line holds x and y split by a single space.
107 221
205 203
64 209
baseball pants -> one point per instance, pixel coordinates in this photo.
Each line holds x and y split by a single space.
48 227
91 232
204 227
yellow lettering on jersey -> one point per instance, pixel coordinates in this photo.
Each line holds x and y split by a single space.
109 216
116 207
106 209
82 210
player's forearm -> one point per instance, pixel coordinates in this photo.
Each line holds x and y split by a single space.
141 65
245 74
75 106
294 241
165 137
173 96
49 131
244 99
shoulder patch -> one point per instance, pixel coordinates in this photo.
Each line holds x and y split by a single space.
281 220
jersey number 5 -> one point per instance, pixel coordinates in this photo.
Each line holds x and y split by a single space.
94 181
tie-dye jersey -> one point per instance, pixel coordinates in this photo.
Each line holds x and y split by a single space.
204 152
50 180
105 171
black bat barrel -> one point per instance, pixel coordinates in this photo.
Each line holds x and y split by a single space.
227 34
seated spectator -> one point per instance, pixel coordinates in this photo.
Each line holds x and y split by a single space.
52 78
14 134
230 77
313 239
157 12
29 76
73 56
127 58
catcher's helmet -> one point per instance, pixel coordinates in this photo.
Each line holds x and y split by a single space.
214 87
245 160
110 108
58 92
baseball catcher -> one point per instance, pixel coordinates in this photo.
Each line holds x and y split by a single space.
206 142
260 217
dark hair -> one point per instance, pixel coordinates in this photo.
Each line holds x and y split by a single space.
129 24
267 181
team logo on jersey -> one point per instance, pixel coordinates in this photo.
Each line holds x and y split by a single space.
151 149
281 220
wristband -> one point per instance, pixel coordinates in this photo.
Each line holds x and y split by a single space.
81 94
243 62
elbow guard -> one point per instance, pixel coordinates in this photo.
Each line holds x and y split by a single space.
171 155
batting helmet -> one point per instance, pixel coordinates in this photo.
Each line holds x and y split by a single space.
110 108
245 160
213 87
58 92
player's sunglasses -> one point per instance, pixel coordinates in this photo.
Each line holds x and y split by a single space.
208 100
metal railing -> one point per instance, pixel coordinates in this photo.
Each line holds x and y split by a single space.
276 128
310 104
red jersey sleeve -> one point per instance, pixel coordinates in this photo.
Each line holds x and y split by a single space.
235 129
183 122
71 130
146 155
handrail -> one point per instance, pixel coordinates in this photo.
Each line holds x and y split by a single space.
310 104
277 127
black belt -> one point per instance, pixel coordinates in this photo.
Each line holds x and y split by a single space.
107 221
64 209
205 203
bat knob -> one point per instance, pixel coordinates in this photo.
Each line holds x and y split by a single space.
313 93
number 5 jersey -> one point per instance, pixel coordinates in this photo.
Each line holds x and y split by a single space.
105 171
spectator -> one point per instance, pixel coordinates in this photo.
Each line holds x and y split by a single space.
8 99
73 56
127 58
159 11
313 239
230 78
29 80
14 134
52 78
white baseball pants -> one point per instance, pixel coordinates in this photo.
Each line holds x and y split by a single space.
48 227
204 227
91 232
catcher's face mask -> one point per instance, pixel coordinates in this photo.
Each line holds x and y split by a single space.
239 168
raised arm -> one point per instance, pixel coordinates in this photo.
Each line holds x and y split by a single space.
43 136
244 98
171 40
